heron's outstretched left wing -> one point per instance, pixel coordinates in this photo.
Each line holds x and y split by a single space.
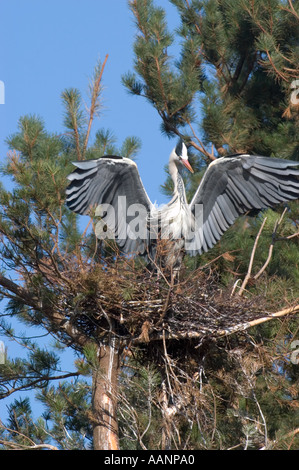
234 185
112 186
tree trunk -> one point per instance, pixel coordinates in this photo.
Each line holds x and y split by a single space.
104 398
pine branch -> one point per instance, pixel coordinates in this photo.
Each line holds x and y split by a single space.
29 385
73 118
258 321
19 292
200 146
291 9
96 89
18 446
55 318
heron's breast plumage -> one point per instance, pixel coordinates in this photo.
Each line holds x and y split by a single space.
172 221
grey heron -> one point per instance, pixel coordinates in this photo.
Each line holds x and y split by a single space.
230 187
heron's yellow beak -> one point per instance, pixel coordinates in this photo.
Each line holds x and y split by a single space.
187 164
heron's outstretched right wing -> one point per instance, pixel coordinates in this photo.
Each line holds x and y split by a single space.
231 186
112 186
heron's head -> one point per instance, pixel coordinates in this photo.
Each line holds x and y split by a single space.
180 155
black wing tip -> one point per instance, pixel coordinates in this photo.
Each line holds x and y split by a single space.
94 161
243 154
231 155
113 157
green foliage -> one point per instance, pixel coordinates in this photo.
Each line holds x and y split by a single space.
237 63
170 89
233 78
140 412
74 117
67 414
226 90
42 246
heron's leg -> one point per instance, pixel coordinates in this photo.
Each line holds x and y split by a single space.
176 276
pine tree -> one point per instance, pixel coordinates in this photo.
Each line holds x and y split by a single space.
230 91
231 86
58 269
199 365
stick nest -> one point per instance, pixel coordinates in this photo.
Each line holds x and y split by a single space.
140 307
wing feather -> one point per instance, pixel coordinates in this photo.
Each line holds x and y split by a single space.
110 184
234 185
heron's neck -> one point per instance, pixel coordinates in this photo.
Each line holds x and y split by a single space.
179 187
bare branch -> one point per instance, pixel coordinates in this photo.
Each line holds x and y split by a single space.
276 226
248 275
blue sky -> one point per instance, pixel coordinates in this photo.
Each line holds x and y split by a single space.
48 46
